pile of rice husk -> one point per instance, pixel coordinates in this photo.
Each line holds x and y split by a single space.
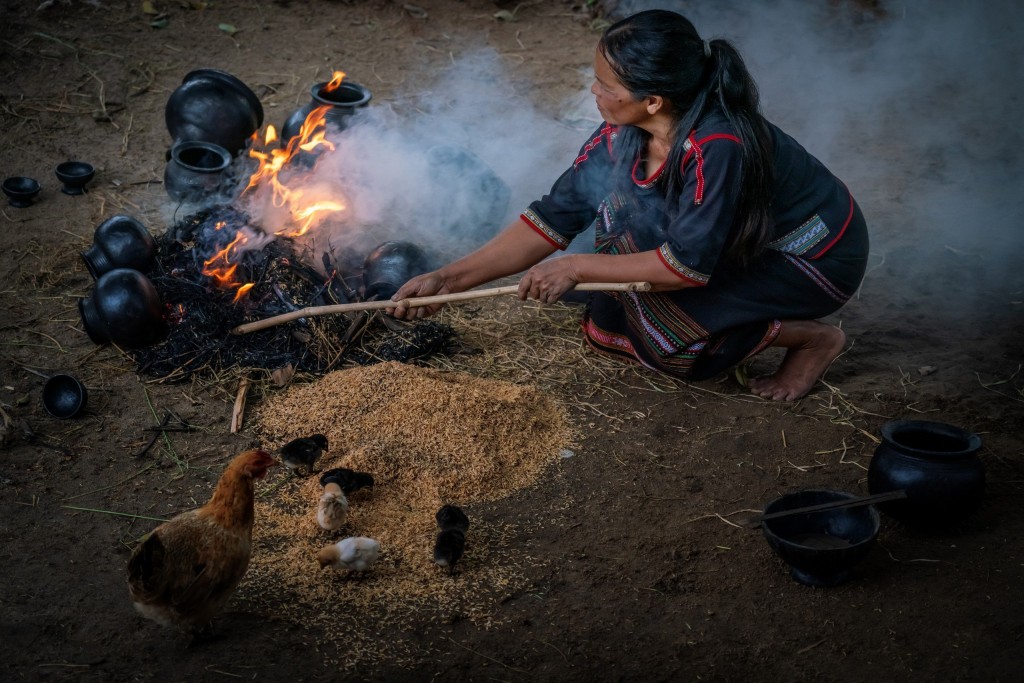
429 438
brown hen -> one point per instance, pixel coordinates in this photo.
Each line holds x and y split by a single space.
185 570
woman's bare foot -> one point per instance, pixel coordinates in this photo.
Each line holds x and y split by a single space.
812 346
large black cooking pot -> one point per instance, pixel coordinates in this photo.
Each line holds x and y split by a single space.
213 106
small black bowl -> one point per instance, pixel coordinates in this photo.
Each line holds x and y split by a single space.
64 396
821 547
21 190
75 175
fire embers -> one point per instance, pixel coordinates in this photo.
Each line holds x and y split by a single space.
215 271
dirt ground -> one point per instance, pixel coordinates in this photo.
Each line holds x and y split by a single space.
629 567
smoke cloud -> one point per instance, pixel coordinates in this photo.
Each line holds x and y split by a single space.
915 105
445 167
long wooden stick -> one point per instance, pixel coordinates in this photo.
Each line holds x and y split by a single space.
898 494
425 301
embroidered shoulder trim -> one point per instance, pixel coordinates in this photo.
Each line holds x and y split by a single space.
545 230
608 133
679 268
693 146
803 239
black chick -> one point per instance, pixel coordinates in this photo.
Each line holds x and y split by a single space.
452 517
448 548
350 481
451 541
303 452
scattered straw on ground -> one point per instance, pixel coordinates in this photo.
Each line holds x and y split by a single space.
428 437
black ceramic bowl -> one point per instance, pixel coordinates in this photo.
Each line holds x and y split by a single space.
74 175
21 190
821 547
64 396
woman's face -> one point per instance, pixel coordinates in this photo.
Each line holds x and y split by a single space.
614 101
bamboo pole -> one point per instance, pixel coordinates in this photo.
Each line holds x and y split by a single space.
415 302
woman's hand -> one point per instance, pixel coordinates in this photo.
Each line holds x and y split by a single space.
549 280
427 284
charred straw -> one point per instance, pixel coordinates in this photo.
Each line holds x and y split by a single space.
201 313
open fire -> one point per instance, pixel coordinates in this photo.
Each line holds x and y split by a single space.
216 270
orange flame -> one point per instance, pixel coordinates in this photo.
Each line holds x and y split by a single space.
335 81
305 208
241 291
221 268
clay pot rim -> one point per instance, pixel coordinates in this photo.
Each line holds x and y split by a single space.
74 170
891 429
176 149
233 81
21 186
365 95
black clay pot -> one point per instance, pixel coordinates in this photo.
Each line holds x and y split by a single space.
476 198
342 103
21 191
64 396
390 266
123 308
197 171
74 176
120 242
937 464
821 548
213 106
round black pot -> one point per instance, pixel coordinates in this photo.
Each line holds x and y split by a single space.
120 242
390 266
197 171
342 103
476 198
937 464
213 106
123 308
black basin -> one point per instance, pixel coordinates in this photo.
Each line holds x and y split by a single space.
74 175
821 548
21 190
64 396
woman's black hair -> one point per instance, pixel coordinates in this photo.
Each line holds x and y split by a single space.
659 52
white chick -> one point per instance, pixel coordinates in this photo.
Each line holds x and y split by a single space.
333 508
355 553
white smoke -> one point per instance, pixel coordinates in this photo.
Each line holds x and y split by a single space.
445 167
916 107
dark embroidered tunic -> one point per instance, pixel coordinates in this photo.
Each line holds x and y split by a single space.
814 263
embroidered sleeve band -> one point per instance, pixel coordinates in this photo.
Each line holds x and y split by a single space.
545 230
679 268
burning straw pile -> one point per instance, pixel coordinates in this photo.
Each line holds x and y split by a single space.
428 437
215 271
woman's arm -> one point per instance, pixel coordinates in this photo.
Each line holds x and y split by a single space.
549 280
511 251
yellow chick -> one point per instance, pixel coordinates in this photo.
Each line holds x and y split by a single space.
355 553
333 508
